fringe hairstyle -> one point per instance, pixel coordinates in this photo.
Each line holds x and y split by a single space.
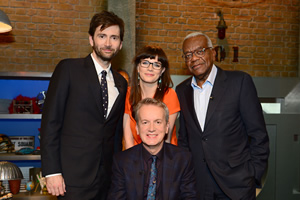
165 83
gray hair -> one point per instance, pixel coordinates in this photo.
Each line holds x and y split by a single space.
194 34
151 101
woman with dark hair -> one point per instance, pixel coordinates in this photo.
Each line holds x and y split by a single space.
150 79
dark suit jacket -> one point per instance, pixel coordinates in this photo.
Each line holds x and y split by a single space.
178 178
75 137
234 113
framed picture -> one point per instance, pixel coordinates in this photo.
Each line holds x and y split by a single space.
22 142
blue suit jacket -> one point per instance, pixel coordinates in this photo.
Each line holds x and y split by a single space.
234 143
178 178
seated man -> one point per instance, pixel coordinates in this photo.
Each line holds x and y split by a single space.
153 169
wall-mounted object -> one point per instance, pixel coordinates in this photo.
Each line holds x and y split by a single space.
221 26
217 53
223 53
220 52
5 25
235 54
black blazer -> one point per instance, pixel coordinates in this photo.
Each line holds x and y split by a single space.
178 178
75 137
234 143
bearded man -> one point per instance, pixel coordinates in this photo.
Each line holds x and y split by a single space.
82 117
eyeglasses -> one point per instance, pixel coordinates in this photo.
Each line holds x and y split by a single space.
146 64
200 52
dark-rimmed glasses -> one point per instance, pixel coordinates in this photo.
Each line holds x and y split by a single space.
200 52
146 64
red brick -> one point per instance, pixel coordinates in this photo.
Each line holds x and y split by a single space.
172 13
20 60
277 20
41 61
68 14
19 18
19 4
244 18
244 30
40 6
81 8
154 12
62 7
4 3
40 19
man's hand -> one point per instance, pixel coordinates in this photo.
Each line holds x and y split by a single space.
56 185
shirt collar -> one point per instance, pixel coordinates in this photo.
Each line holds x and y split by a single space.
147 155
99 68
210 80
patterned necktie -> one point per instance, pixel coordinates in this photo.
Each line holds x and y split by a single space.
104 92
152 182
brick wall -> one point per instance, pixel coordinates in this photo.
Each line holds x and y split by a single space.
265 31
45 31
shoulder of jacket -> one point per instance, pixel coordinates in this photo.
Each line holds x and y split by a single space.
177 149
185 82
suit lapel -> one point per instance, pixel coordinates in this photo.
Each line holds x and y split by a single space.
168 172
216 94
138 170
189 97
92 77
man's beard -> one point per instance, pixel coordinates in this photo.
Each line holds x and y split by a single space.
103 56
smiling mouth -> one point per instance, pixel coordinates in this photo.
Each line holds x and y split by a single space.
107 50
152 135
197 66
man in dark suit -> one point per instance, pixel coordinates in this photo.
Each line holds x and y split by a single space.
222 124
132 178
79 128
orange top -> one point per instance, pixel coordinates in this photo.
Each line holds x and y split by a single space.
172 102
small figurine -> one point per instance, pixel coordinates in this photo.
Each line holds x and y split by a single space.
2 189
42 182
45 191
7 196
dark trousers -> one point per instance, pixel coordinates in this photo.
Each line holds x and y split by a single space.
214 192
97 191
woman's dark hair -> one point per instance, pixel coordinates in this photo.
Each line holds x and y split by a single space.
106 19
166 81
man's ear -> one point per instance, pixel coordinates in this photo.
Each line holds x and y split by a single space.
167 128
137 129
214 54
91 40
121 45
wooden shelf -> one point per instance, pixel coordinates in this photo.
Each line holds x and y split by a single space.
26 75
13 156
32 196
20 116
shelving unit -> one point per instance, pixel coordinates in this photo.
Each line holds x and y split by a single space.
27 84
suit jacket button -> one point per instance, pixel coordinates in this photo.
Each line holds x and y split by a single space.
204 139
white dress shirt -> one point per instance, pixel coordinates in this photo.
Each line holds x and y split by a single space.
202 95
113 91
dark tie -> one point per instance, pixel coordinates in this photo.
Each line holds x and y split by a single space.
152 182
104 92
